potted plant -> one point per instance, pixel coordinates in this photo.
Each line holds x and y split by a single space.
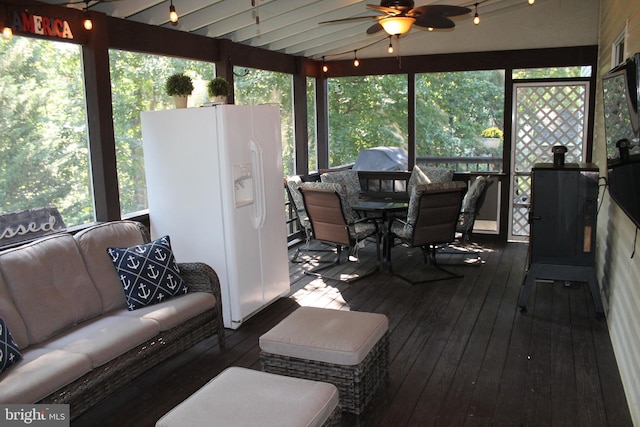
219 89
492 137
179 86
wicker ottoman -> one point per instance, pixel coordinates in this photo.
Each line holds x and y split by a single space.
347 348
246 397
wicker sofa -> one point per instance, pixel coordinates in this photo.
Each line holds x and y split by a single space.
63 303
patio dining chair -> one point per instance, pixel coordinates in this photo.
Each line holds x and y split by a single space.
331 224
431 221
293 188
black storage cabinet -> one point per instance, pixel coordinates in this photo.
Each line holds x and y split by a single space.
562 222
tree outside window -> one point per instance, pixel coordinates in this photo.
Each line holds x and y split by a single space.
44 155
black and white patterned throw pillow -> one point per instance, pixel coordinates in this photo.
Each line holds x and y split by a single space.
149 273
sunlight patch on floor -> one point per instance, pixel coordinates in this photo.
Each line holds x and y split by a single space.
320 293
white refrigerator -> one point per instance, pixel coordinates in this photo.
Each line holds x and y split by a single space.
215 186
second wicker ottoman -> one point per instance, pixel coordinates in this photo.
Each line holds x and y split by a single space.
347 348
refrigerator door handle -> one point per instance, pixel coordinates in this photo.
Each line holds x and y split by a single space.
258 163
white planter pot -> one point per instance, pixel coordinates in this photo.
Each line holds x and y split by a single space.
180 101
491 142
220 99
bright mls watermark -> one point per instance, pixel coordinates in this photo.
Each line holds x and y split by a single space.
34 415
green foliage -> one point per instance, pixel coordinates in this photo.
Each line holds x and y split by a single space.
365 112
179 84
254 87
44 158
219 87
138 84
452 109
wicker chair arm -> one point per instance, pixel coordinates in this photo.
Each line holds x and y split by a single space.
201 277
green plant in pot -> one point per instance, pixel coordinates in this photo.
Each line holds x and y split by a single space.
179 86
219 89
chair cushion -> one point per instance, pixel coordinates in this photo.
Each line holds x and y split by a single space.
428 175
174 312
474 192
326 335
12 317
246 397
347 199
349 178
149 273
9 353
93 243
41 372
104 338
294 183
52 270
405 230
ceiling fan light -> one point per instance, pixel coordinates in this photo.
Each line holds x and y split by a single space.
397 25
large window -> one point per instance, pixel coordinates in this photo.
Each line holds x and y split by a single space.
459 119
366 112
43 143
137 85
253 87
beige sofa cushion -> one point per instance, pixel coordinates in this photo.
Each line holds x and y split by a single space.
93 244
105 338
50 286
12 318
175 311
40 373
246 397
326 335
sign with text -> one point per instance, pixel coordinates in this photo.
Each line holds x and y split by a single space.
27 225
41 415
41 25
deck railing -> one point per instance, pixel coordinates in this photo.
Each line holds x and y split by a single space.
464 164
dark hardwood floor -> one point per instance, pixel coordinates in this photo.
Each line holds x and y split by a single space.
461 353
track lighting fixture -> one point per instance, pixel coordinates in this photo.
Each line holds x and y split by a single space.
476 17
390 50
173 15
356 63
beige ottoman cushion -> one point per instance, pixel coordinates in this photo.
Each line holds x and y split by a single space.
326 335
245 397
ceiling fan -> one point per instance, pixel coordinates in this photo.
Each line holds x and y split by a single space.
400 15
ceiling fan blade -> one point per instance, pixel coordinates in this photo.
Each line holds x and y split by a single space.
439 10
434 21
355 18
374 28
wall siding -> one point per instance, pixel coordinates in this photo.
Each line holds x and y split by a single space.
618 273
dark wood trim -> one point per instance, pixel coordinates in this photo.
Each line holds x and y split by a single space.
102 144
300 125
469 61
138 37
411 125
322 123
